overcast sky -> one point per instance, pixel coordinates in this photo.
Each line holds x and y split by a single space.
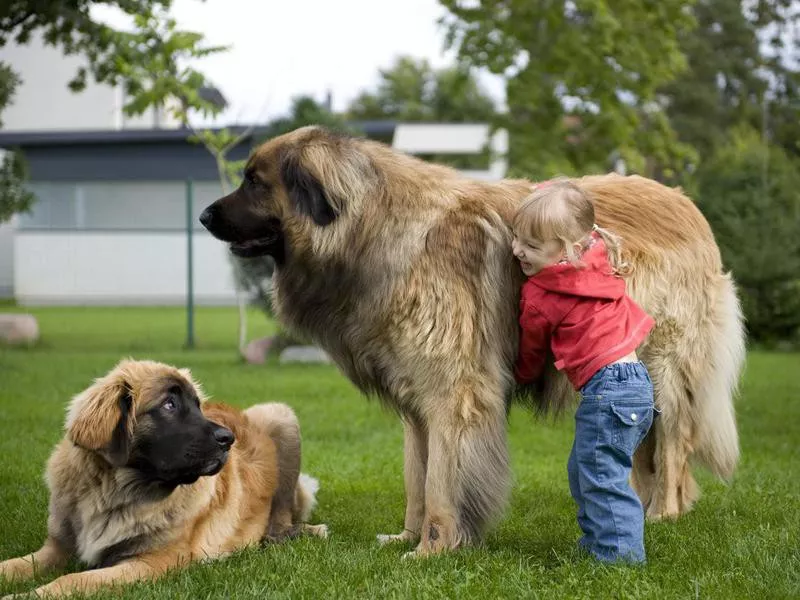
283 48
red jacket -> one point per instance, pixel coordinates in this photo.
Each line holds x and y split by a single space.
582 314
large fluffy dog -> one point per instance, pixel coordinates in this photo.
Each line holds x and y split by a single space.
149 477
402 271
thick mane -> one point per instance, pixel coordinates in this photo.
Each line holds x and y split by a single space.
413 213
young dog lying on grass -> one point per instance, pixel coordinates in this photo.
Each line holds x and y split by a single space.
149 477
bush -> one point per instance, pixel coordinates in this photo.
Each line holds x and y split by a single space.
750 194
14 196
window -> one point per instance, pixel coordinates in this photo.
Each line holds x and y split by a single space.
102 206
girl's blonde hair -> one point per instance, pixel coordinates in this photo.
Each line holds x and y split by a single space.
560 210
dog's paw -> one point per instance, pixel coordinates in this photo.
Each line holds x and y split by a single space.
405 536
656 513
387 538
316 530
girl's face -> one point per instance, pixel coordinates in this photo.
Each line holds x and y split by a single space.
534 255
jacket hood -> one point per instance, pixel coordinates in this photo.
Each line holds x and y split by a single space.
593 279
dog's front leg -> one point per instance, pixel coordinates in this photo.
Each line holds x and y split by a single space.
440 525
49 557
145 567
467 481
415 460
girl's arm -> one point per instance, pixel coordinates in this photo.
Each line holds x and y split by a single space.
534 342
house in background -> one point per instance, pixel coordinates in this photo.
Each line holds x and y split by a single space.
110 222
44 102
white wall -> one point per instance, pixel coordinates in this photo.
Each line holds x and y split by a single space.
44 102
118 268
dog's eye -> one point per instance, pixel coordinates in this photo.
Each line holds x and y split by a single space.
252 181
169 405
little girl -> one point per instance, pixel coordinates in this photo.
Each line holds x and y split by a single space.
574 304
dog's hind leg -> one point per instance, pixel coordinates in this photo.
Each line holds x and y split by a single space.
415 458
49 557
280 423
644 469
665 485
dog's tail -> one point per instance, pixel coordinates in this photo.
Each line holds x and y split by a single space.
305 498
715 420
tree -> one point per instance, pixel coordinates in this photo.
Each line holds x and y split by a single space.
8 83
305 110
721 86
69 25
14 197
113 57
755 215
582 78
734 78
779 23
412 91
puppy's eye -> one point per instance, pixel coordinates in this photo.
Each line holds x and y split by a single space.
169 405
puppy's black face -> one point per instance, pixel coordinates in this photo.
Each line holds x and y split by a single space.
174 443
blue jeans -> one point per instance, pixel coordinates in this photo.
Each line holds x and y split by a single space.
614 415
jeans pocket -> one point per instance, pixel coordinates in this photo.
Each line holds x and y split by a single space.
630 423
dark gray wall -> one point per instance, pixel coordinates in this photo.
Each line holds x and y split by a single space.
136 155
163 161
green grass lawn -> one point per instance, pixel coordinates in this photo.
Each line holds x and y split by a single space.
741 541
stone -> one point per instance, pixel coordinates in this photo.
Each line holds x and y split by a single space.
255 353
304 354
18 329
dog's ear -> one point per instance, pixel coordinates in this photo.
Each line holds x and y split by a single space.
325 173
102 417
305 190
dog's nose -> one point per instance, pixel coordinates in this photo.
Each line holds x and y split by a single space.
224 437
207 217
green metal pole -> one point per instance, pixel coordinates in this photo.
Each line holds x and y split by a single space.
189 266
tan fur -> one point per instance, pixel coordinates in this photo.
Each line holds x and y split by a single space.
413 290
94 505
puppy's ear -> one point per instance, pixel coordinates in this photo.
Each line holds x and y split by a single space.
101 418
198 389
325 173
